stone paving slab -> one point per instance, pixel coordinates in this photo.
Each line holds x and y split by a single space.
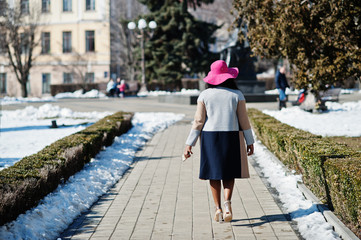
161 197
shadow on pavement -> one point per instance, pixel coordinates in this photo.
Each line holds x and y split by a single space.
262 220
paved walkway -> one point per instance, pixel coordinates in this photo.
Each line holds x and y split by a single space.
161 197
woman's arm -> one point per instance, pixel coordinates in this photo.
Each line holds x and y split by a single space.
245 125
199 120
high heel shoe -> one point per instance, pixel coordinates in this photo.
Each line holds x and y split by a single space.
227 211
218 216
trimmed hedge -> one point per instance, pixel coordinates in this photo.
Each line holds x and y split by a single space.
25 183
331 170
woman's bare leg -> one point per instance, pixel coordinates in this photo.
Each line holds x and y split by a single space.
216 192
228 189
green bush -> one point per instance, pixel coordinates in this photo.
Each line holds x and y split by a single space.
344 183
29 180
331 170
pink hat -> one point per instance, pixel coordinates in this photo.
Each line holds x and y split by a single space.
220 73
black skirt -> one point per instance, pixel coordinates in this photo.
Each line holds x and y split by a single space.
220 155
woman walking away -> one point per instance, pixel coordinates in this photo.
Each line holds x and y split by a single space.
222 123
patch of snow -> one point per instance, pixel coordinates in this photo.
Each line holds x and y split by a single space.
58 209
79 94
341 119
162 93
350 91
17 100
288 91
270 73
310 222
27 131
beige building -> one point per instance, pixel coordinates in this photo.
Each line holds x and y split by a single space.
74 46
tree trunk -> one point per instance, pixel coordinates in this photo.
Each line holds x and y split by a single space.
24 90
132 73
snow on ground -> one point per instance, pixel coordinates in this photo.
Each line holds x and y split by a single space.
17 100
91 94
288 92
350 91
27 131
296 92
310 222
340 120
57 210
160 93
77 94
270 73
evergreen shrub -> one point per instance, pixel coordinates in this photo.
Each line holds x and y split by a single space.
331 170
344 182
29 180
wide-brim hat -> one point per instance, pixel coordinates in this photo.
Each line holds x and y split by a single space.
220 73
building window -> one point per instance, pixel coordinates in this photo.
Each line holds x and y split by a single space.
2 49
89 77
45 6
89 41
66 42
2 46
24 43
46 82
3 5
45 42
67 77
3 40
90 5
28 85
67 6
2 82
24 6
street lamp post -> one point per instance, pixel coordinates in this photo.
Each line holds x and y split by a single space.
142 25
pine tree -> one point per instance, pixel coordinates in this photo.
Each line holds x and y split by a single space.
179 44
321 39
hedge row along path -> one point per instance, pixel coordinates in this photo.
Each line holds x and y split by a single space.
24 184
330 169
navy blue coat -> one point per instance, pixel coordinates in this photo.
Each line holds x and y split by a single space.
281 81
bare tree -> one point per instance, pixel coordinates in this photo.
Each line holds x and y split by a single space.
18 27
78 66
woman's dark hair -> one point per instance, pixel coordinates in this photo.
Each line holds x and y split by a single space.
229 83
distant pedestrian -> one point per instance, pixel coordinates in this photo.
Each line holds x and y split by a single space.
222 123
122 87
111 88
281 85
117 87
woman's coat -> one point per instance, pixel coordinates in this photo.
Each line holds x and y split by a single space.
223 109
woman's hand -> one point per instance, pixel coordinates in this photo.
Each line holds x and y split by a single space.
187 152
250 149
